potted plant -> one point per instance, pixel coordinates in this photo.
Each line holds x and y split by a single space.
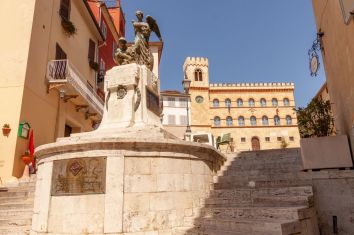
6 129
27 158
320 147
94 65
68 27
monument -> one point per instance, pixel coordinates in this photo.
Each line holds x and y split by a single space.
129 176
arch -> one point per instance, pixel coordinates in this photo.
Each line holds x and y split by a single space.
215 103
256 145
275 102
228 102
251 102
253 120
241 121
276 120
198 75
265 121
289 120
263 102
217 121
239 102
229 121
286 102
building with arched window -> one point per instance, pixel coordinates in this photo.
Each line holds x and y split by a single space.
245 110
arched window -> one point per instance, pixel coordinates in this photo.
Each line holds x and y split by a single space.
239 102
217 121
286 102
263 102
251 102
229 121
241 121
289 120
265 121
274 102
215 103
198 75
253 121
228 103
276 120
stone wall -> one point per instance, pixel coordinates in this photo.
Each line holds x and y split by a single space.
334 196
151 187
160 192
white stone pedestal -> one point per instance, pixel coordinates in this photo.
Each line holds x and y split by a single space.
154 182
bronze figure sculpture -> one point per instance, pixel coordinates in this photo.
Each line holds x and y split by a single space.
139 52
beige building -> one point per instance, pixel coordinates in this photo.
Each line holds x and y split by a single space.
257 115
335 20
47 78
174 114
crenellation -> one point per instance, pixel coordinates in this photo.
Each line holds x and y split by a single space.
256 84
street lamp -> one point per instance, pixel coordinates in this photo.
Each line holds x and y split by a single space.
186 85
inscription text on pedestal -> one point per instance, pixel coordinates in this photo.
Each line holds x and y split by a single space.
79 176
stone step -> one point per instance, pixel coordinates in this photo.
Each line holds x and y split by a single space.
268 154
244 183
291 167
17 206
279 213
14 199
247 192
15 230
16 222
256 160
262 176
250 226
16 213
266 201
257 172
196 231
22 193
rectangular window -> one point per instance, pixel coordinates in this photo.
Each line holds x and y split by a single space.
267 139
291 138
171 101
101 72
64 10
60 65
243 139
91 51
279 138
104 30
171 119
68 130
183 102
183 120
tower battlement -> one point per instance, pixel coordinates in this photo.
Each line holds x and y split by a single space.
196 61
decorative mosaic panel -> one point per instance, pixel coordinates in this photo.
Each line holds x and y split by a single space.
79 176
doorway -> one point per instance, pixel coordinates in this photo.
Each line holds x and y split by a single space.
255 143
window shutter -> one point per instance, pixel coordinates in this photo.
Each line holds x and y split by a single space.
65 9
91 52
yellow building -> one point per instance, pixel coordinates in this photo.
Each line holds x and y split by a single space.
47 76
257 115
335 21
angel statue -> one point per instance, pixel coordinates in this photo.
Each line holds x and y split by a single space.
143 30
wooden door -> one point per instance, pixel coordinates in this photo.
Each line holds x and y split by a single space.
255 144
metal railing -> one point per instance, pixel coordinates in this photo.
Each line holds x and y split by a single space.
63 71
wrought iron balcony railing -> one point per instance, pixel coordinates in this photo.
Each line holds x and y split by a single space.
62 73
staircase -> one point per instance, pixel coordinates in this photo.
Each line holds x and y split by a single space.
258 193
16 208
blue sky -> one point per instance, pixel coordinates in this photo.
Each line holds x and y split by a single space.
245 40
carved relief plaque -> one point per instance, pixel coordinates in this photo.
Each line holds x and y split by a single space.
79 176
152 102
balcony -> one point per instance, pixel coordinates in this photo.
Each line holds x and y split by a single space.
63 76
